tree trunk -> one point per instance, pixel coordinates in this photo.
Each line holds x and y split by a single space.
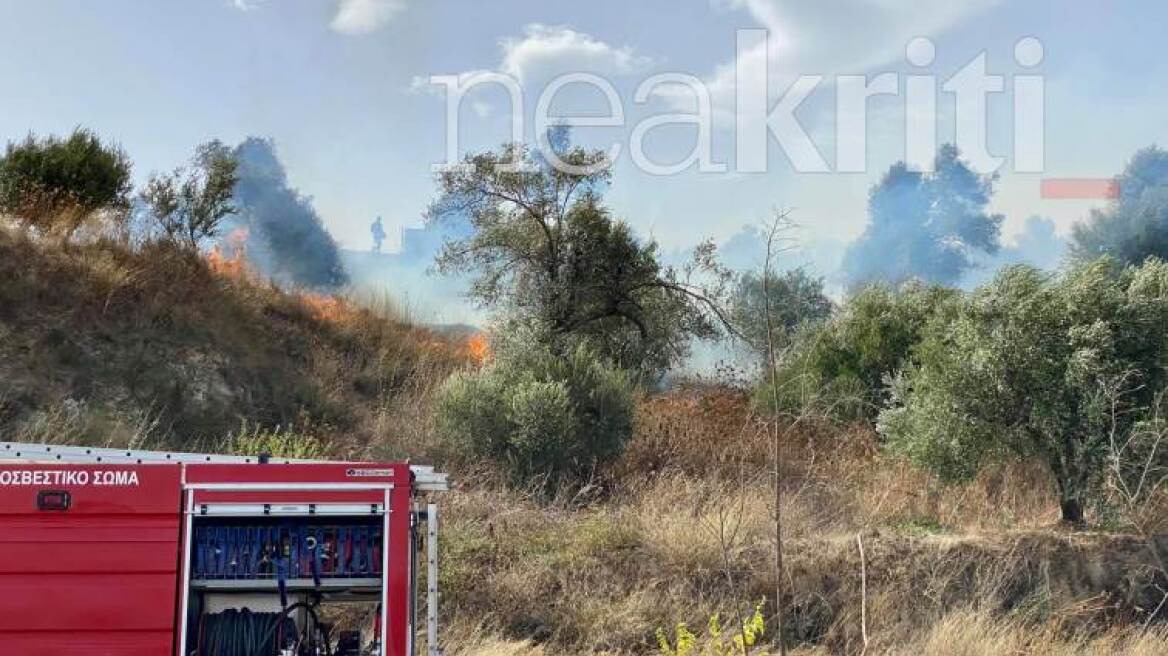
1072 483
1072 511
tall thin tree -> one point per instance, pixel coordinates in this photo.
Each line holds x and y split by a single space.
780 223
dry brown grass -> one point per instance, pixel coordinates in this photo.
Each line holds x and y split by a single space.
493 646
977 633
698 431
960 633
685 531
152 330
606 577
838 480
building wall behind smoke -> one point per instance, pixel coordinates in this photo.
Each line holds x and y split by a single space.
407 278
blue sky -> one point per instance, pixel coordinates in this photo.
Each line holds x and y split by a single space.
340 85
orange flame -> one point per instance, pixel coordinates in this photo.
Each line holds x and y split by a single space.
327 308
229 259
237 239
478 347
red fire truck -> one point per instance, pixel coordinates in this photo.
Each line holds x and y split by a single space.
145 553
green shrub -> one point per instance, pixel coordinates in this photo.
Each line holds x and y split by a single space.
797 300
843 367
57 184
543 416
1036 365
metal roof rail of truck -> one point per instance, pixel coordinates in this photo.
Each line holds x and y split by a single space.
426 479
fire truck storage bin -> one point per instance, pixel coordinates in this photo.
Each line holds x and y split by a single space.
291 548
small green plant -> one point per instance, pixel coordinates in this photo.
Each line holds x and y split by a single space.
277 442
921 525
716 642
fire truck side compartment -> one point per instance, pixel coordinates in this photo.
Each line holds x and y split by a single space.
96 558
98 578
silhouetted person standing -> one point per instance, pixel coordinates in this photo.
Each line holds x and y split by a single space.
378 231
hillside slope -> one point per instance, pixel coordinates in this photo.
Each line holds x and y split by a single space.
161 344
102 343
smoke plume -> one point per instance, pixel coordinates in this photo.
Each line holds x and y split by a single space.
929 226
286 239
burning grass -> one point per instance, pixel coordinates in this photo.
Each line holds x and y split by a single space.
327 308
229 257
201 345
368 317
478 348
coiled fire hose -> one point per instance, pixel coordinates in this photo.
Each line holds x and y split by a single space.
243 633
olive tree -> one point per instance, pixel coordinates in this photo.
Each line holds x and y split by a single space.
1035 365
58 184
546 251
1134 225
928 226
190 202
843 366
796 300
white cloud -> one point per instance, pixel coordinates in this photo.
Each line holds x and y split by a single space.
542 53
352 17
550 50
840 37
364 16
853 33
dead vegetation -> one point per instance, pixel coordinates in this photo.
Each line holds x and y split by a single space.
156 344
685 529
101 342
